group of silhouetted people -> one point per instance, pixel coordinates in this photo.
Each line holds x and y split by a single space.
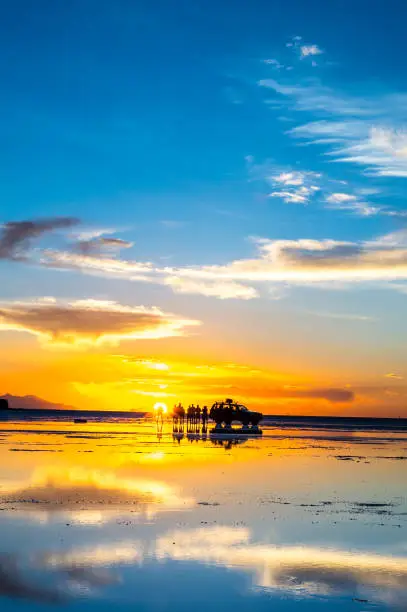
195 415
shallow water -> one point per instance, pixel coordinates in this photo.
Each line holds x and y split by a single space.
122 514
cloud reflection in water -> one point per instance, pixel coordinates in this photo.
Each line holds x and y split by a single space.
86 496
305 570
302 572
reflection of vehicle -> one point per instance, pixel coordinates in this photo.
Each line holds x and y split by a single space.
228 441
228 411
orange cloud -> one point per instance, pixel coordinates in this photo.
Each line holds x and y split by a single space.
87 322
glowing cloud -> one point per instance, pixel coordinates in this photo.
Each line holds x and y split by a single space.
87 322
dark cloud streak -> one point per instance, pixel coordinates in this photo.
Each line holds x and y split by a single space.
16 236
100 244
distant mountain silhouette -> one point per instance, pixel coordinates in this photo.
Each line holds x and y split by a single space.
32 402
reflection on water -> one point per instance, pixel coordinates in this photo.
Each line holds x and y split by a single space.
296 571
98 556
156 518
90 495
195 432
306 569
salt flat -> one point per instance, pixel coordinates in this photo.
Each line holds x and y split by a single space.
131 515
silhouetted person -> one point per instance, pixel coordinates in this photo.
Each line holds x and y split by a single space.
204 416
190 416
178 416
181 413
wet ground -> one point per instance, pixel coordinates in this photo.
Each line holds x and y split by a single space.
133 516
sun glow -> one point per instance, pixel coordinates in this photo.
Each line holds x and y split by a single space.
160 407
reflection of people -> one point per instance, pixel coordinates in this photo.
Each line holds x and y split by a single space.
159 412
159 428
178 436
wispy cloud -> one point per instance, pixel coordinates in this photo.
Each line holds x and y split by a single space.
86 322
343 316
294 196
313 96
368 131
351 202
222 289
274 63
276 261
382 259
394 376
172 223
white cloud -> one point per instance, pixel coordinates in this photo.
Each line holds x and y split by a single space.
274 63
311 261
290 196
290 178
92 232
299 186
340 198
302 187
307 50
394 239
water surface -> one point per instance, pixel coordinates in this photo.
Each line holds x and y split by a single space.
120 512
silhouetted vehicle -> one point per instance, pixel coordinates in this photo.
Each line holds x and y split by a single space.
228 411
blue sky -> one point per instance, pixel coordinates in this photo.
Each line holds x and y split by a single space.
254 155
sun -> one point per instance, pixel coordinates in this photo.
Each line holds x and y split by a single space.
160 407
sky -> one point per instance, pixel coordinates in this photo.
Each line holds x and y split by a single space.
203 200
